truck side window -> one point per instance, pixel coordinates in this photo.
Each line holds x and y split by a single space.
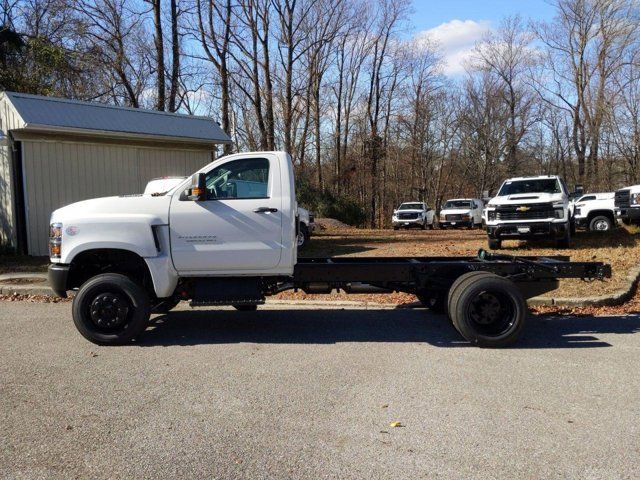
246 178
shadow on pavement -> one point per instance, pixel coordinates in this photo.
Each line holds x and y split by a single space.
335 326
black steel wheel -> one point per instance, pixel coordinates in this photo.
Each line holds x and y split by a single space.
460 282
110 309
489 311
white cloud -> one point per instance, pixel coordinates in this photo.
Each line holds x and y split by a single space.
456 40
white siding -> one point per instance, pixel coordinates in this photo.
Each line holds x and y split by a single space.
8 120
59 173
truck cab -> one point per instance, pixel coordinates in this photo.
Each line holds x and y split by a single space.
530 208
412 215
461 212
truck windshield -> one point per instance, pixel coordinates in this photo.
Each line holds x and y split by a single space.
410 206
457 204
545 185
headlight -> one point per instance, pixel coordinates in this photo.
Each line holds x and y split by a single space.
558 210
443 218
55 240
635 199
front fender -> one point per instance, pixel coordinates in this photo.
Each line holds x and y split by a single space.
133 233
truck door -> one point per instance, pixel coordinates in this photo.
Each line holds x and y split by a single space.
239 225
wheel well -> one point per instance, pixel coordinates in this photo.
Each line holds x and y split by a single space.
604 213
90 263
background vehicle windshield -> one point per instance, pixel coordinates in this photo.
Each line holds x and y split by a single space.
410 206
546 185
457 204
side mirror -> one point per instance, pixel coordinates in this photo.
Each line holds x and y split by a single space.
579 190
198 187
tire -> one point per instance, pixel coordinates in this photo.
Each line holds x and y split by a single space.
303 236
460 282
396 228
600 223
572 227
165 305
495 244
565 241
111 309
489 311
432 226
246 308
435 303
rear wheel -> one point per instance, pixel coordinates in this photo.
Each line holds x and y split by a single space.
495 244
111 309
600 224
460 282
489 311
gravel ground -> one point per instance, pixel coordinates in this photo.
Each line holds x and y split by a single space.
311 394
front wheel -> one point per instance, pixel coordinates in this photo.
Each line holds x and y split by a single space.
111 309
488 311
495 244
600 224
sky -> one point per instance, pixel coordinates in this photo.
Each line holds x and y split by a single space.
458 24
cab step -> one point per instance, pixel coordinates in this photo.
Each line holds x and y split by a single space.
227 291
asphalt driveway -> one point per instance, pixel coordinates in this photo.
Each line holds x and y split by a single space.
291 393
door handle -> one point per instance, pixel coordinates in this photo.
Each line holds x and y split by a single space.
265 210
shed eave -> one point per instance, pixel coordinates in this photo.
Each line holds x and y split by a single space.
52 129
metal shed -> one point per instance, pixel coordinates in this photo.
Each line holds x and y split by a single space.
56 151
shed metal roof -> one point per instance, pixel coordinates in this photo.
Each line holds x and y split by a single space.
49 114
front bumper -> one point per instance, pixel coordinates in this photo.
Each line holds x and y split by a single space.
527 230
455 224
413 222
628 214
57 277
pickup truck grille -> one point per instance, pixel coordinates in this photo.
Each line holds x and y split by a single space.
622 198
456 217
408 216
532 211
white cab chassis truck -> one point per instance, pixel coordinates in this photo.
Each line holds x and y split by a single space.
531 208
227 236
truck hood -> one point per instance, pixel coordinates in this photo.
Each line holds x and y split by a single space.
155 210
525 198
455 211
407 211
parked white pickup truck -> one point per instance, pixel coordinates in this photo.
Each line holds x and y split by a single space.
413 214
595 212
530 208
227 236
461 212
